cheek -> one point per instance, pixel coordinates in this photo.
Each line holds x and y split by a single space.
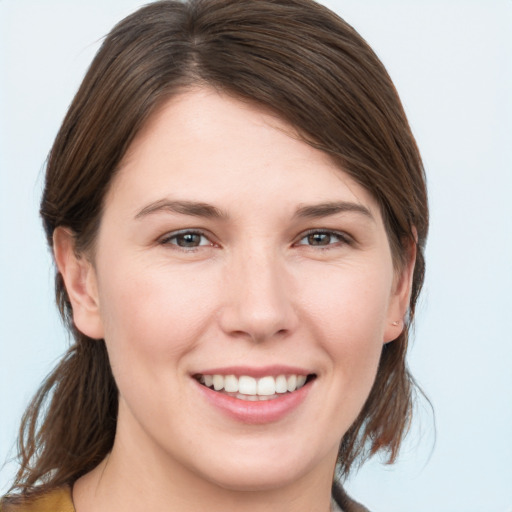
350 302
154 315
347 310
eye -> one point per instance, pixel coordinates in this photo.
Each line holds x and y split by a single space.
186 239
323 238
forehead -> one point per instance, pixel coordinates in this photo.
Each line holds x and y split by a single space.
209 146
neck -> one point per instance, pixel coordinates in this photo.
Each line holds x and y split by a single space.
103 490
140 476
132 486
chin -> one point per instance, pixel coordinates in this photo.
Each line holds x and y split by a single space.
264 471
262 479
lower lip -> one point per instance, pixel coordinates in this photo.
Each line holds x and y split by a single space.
259 412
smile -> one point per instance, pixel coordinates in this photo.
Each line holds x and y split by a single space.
245 387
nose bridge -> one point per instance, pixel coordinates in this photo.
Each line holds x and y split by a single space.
259 303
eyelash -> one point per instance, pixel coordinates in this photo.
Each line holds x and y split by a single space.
342 238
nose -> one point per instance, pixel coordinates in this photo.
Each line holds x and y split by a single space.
258 303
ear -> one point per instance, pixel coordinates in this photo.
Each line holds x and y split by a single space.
81 283
401 296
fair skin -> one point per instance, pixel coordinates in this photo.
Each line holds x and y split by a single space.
229 247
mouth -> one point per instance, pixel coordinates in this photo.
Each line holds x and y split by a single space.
251 389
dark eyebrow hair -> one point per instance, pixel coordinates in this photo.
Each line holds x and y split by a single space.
197 209
325 209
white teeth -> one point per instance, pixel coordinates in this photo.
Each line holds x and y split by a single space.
218 382
247 385
254 389
230 384
281 384
267 386
291 383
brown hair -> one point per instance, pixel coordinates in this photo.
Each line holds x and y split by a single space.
297 59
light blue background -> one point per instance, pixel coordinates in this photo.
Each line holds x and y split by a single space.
452 64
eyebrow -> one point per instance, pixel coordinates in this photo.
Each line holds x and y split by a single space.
196 209
199 209
316 211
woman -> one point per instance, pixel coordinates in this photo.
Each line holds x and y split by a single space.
238 213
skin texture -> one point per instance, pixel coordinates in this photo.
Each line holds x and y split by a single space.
255 292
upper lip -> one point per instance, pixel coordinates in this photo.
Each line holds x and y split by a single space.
255 372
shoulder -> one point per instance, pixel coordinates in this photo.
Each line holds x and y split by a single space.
56 500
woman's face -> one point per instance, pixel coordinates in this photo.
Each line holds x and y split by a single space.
230 253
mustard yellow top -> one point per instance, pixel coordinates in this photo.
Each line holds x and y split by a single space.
58 500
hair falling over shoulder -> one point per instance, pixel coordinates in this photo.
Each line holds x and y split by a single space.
70 424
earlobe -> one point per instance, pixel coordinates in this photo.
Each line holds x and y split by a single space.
401 296
81 285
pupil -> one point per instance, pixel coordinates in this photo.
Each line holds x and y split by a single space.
189 240
319 239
